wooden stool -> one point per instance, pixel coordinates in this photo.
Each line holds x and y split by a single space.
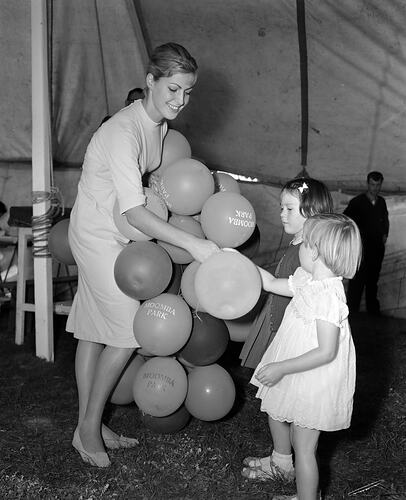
24 259
23 256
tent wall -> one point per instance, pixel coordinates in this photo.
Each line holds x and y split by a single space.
245 114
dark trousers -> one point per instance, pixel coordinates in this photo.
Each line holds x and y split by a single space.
367 277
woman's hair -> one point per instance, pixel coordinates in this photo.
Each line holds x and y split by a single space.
337 240
170 58
314 196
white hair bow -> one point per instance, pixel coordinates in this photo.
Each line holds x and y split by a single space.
303 187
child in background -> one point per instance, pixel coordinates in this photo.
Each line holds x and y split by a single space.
300 199
306 378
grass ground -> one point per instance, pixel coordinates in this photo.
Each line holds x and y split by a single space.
203 461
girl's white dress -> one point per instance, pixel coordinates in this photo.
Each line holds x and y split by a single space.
124 148
320 398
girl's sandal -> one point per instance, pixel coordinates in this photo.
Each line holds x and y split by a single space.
255 462
269 474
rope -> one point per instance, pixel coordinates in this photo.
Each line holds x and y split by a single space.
41 224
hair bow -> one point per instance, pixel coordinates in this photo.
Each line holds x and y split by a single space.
303 187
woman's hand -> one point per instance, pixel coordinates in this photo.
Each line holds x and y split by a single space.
202 249
270 374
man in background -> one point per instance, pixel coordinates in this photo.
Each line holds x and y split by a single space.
369 212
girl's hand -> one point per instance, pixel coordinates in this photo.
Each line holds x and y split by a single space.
270 374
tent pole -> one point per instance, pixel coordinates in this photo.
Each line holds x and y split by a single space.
41 179
304 84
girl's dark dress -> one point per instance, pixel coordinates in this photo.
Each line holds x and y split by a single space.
267 322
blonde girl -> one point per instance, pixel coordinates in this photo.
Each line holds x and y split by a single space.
306 378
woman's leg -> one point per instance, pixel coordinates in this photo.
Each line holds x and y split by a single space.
109 365
307 473
87 355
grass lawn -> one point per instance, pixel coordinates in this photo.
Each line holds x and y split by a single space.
203 461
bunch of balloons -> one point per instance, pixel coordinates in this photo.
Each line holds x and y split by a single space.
182 324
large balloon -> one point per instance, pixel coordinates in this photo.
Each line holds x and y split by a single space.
225 182
142 270
170 424
188 224
228 285
211 392
154 203
123 391
187 286
162 325
228 219
175 147
160 386
207 342
185 186
58 243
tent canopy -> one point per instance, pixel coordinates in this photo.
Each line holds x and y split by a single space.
245 115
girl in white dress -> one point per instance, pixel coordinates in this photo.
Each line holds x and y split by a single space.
122 150
306 378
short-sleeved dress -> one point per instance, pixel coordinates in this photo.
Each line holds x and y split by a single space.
321 398
267 322
124 148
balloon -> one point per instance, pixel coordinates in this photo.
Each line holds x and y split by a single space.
144 353
185 186
123 391
188 366
142 270
188 224
160 386
251 246
170 424
175 147
58 243
162 325
228 219
211 392
207 342
154 203
225 182
187 286
228 285
174 284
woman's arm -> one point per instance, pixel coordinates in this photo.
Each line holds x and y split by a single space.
152 225
327 336
275 285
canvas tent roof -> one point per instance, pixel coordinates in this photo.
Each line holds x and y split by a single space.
245 115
